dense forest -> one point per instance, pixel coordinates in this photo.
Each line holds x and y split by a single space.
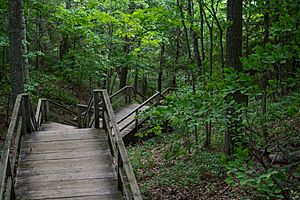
230 128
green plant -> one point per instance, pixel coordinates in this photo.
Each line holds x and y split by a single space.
242 172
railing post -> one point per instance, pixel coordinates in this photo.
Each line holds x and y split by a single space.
96 108
79 120
130 95
126 95
119 168
46 109
10 174
137 121
104 125
26 114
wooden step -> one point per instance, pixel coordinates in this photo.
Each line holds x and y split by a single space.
66 136
67 163
55 126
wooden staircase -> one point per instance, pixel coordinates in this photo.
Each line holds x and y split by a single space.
42 160
62 162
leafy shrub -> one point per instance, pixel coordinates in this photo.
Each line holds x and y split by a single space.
242 172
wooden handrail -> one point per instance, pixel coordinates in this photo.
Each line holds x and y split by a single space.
62 107
118 92
139 107
167 90
38 114
22 122
126 179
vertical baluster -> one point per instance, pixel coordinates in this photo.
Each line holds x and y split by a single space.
137 120
96 109
46 109
10 174
79 120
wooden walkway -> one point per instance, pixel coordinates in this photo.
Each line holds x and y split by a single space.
123 112
62 162
46 160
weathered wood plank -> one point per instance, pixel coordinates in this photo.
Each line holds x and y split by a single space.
55 126
65 162
64 136
64 155
65 176
48 147
68 184
52 169
90 197
63 193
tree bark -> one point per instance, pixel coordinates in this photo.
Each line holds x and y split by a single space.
179 4
213 12
197 57
161 65
124 70
177 53
233 54
16 39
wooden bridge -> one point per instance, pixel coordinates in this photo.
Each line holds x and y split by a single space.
84 159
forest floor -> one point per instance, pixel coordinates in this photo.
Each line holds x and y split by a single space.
169 167
166 171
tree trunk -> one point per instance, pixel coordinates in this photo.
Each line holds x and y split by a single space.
233 54
16 39
208 125
173 85
161 65
213 12
202 31
197 58
124 70
123 77
145 85
265 72
179 4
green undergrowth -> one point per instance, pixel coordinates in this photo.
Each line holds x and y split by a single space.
44 85
164 161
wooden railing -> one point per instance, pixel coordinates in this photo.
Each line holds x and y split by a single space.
47 109
104 117
22 122
151 101
136 111
129 94
85 112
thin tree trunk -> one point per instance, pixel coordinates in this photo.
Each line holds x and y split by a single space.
16 50
213 12
179 4
124 70
145 85
265 72
208 125
176 57
161 65
202 31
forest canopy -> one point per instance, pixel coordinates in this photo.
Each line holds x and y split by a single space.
233 66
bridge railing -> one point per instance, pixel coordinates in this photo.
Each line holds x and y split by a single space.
124 96
22 122
128 94
48 110
136 121
104 117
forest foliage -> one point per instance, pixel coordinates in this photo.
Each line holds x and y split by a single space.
74 46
